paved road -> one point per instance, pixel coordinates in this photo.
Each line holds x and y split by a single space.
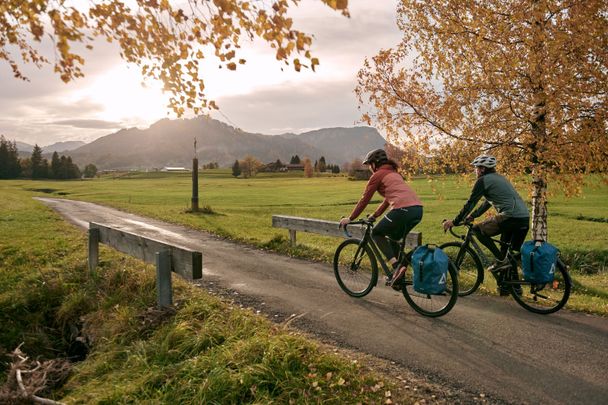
485 344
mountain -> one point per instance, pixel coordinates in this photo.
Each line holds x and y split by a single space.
62 146
171 143
342 144
23 147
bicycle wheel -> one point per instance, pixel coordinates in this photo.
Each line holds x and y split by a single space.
355 268
544 298
468 266
432 305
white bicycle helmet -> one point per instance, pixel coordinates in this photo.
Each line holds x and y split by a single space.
484 161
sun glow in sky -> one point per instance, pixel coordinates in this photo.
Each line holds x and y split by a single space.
120 93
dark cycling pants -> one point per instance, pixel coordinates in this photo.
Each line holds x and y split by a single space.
511 230
395 225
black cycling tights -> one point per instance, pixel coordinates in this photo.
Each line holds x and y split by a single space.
395 225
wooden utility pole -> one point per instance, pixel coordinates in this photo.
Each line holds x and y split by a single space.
195 180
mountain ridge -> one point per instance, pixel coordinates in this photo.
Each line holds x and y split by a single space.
171 143
64 146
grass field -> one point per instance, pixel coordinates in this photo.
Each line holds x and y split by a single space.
241 209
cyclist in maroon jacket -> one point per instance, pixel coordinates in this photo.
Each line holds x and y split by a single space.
405 213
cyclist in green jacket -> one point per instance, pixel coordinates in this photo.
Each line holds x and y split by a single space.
512 220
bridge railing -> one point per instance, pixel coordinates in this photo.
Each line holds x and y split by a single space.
329 228
167 257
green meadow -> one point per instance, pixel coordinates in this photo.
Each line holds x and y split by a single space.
241 209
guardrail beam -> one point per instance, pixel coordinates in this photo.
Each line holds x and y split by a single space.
328 228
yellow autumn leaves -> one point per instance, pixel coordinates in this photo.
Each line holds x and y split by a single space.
166 41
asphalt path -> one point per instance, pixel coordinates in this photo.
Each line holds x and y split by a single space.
485 344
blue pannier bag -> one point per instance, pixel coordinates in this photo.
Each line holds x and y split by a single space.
430 269
538 260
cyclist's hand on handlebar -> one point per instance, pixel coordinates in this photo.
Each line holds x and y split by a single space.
343 222
447 224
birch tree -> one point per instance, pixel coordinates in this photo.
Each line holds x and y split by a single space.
166 39
524 80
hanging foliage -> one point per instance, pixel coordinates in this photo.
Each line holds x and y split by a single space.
166 39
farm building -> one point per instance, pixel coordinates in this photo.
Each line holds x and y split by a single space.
174 169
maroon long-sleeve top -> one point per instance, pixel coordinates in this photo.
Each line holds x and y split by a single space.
390 185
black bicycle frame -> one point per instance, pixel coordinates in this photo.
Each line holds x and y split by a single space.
469 240
368 240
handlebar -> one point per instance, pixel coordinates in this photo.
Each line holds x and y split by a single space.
466 223
366 221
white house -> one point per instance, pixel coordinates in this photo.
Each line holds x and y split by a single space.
174 169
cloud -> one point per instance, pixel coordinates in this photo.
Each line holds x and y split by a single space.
291 107
369 29
309 100
96 124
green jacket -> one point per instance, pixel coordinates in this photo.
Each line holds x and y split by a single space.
499 193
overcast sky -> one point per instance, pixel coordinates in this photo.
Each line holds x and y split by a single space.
257 97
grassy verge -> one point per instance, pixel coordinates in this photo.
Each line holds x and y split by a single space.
204 351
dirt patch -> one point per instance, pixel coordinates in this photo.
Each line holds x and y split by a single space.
411 387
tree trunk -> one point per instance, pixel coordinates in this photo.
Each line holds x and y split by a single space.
538 123
539 205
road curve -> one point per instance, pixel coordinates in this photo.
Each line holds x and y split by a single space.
485 344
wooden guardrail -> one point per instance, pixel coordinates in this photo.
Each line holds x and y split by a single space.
329 228
167 257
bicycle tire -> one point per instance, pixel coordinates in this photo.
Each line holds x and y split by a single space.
470 269
432 305
358 275
552 297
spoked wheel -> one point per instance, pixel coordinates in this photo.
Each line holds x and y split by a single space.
355 268
432 305
544 298
468 266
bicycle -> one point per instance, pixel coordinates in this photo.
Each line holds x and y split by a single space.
470 261
356 270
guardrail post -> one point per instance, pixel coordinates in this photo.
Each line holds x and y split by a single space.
164 291
292 237
93 249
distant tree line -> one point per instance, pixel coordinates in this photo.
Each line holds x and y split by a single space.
320 166
211 165
250 166
38 167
